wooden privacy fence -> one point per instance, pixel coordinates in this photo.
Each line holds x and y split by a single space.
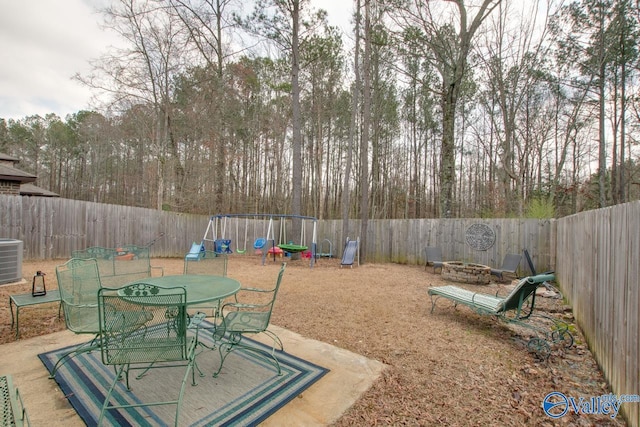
404 240
53 227
598 266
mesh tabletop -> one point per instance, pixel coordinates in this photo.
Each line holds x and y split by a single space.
23 300
200 288
28 299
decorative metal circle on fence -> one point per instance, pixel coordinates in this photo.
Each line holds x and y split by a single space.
480 237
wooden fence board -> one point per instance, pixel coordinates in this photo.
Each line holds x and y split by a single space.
618 273
632 315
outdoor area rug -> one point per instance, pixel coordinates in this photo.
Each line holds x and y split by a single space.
246 392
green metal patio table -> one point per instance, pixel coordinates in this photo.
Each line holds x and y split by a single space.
200 288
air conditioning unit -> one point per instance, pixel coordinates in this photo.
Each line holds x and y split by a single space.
10 260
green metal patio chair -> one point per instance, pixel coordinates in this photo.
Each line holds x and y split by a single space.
161 342
249 317
208 263
517 307
78 283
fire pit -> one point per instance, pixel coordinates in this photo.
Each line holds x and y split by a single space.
458 271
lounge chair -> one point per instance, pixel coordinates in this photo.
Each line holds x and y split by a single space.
554 290
434 258
509 265
517 307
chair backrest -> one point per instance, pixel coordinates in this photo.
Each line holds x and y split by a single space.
78 283
96 252
132 260
527 257
511 263
274 294
259 315
142 323
209 263
121 265
434 254
103 256
524 289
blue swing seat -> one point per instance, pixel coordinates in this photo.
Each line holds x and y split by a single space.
259 243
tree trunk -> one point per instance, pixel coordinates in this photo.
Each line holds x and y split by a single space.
602 153
364 142
447 150
296 200
355 92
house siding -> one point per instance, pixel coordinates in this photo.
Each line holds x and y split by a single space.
10 187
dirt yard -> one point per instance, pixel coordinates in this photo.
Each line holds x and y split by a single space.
452 367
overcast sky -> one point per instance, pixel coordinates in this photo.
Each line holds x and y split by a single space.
46 42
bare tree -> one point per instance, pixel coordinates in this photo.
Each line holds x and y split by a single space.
285 23
513 53
142 72
208 23
446 46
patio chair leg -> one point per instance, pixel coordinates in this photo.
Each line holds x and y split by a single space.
184 383
226 348
84 348
200 373
105 404
142 374
178 402
275 338
223 355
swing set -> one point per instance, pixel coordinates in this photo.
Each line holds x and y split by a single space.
219 229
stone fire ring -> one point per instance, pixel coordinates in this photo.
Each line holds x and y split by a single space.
463 272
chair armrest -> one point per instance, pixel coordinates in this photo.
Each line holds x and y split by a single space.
92 305
239 305
255 290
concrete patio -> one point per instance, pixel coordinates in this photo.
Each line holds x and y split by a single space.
350 375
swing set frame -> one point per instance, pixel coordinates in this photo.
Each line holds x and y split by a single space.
218 231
